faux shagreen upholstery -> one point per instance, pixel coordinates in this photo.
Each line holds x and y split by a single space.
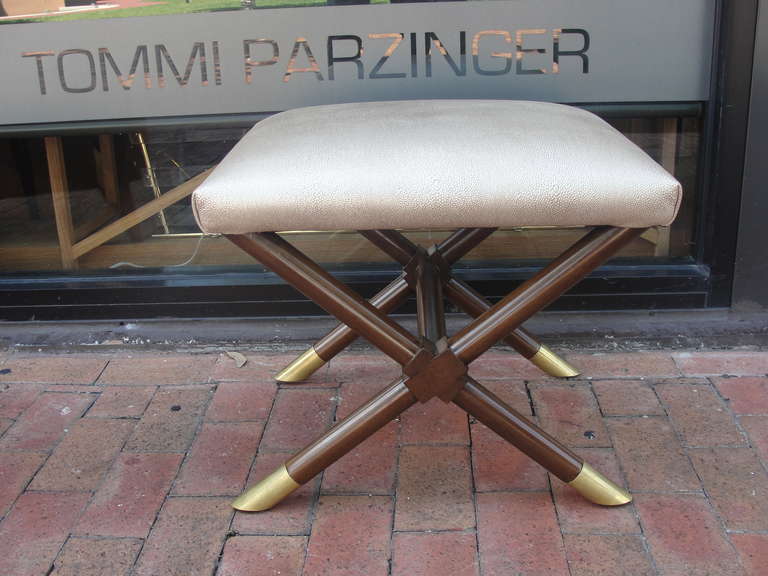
434 164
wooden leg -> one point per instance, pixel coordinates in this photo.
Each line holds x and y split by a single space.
540 291
461 242
395 245
452 249
429 301
57 174
520 339
376 413
537 444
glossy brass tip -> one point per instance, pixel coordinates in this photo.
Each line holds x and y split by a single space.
597 488
301 368
552 364
270 491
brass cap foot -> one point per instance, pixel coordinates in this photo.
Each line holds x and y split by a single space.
270 491
301 368
552 364
597 488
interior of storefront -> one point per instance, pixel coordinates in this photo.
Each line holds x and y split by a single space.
110 176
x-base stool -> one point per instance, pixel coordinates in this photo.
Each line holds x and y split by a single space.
469 165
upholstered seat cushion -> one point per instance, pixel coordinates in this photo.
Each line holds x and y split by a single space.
434 164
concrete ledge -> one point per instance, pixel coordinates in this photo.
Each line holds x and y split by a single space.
580 331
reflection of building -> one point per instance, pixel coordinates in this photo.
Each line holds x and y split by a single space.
21 7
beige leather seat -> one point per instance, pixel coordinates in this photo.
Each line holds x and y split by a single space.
434 164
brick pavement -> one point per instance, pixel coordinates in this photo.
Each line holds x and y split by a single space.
125 464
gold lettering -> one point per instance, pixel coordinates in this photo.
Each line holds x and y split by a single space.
521 52
507 56
313 66
251 64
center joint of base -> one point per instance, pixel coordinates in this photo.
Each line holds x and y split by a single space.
426 257
435 371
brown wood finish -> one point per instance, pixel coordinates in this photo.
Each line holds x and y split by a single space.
516 429
330 294
462 241
57 174
395 294
435 367
474 305
391 297
388 300
540 291
523 342
451 250
401 249
429 301
394 245
370 417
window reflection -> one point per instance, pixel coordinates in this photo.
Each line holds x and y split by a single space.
153 162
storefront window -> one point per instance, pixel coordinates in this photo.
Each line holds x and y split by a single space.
153 162
103 124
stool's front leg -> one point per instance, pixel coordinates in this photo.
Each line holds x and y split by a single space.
327 292
533 441
324 451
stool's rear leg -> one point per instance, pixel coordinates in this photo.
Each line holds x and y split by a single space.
521 340
324 451
540 446
389 299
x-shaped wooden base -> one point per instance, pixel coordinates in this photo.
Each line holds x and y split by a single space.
434 365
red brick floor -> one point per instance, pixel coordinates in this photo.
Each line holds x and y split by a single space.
126 465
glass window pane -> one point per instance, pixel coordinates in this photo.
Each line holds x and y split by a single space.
154 162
